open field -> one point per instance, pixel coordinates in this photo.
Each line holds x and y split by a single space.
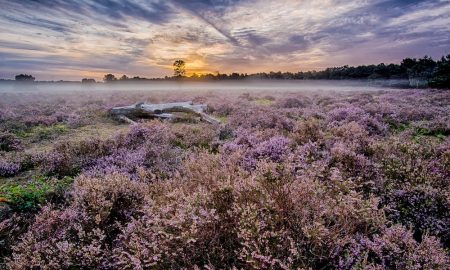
289 180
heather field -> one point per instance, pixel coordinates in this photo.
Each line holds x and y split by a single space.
288 180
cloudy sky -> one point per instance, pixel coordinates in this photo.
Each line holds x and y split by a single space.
72 39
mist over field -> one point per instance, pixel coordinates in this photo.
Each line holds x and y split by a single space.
222 87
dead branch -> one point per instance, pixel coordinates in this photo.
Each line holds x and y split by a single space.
162 111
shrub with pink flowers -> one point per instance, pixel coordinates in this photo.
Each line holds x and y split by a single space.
311 180
9 142
8 168
394 248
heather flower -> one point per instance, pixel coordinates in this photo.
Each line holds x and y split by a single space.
317 180
189 136
373 124
8 168
308 130
422 208
294 102
261 117
395 248
9 142
273 149
69 158
75 120
81 234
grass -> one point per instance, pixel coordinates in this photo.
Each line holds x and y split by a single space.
99 130
40 133
397 127
264 102
424 132
222 119
28 196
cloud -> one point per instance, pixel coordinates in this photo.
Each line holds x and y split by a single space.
143 38
20 46
154 11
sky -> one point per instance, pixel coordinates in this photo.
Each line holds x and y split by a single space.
74 39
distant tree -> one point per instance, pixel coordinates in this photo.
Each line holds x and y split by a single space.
179 68
441 74
408 63
425 67
419 68
234 76
124 78
24 78
87 81
109 78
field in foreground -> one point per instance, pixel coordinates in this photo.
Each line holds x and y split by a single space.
289 180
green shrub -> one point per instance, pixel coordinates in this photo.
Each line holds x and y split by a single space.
28 197
39 133
439 133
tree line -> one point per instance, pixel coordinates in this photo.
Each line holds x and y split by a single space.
423 71
434 73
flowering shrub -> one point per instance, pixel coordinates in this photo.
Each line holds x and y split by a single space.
422 208
68 158
144 150
9 142
182 235
189 136
395 248
82 233
311 180
371 123
273 149
308 130
261 117
8 168
293 102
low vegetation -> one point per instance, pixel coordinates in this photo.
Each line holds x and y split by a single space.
288 180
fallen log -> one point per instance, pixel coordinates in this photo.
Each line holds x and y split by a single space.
125 119
162 111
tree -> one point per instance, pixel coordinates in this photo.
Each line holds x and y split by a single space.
109 78
441 74
179 68
124 78
87 81
24 78
408 63
419 68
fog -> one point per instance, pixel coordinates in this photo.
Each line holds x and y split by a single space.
215 86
